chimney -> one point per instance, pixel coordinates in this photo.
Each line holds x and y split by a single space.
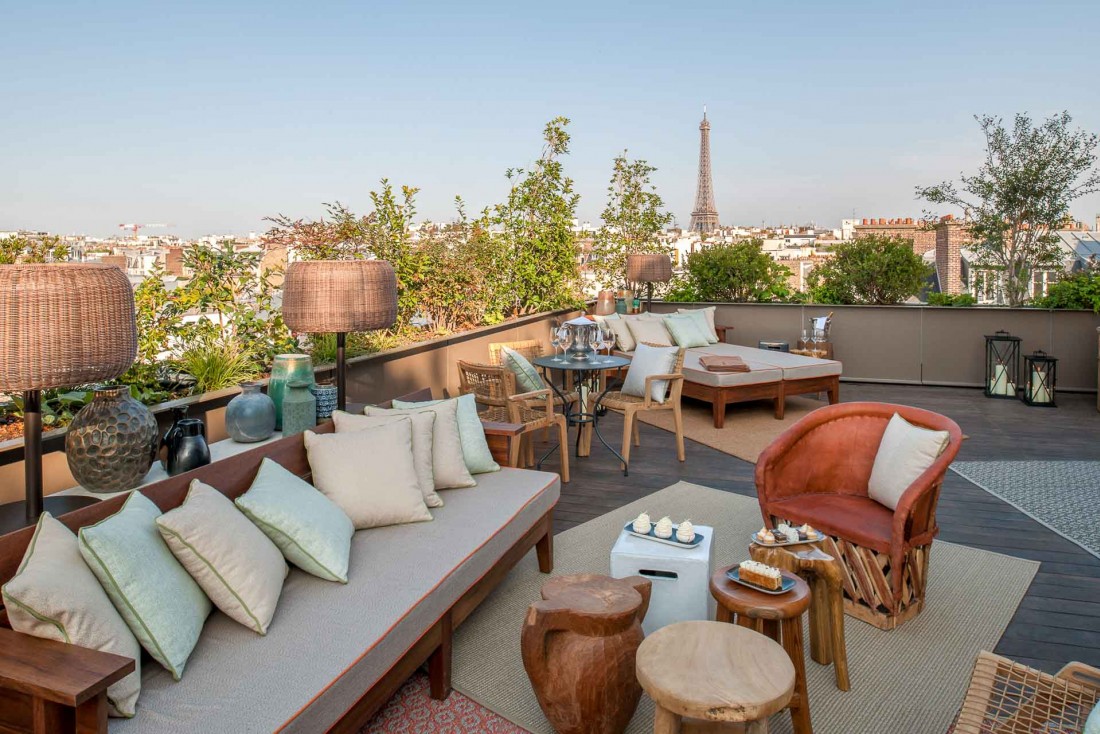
882 220
867 221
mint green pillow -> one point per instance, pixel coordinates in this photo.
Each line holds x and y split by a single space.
685 331
160 602
702 317
528 378
312 531
475 449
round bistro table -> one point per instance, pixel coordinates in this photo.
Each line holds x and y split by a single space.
587 375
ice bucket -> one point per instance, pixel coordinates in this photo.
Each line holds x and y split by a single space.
584 335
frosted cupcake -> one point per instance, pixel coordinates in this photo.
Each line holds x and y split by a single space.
663 529
686 532
765 536
642 524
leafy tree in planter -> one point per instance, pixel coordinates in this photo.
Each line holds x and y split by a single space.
1021 194
737 272
876 269
632 220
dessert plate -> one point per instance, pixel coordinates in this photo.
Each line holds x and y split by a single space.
734 575
786 543
629 528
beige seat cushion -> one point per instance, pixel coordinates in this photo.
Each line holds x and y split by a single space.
423 429
905 452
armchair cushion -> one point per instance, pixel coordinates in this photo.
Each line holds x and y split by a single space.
649 361
904 453
860 520
527 377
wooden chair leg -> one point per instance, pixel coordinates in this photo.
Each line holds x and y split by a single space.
628 431
678 421
514 447
637 434
563 436
530 450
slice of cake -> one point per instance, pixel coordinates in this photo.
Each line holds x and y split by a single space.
761 574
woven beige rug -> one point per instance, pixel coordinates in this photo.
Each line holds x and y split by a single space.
907 681
749 428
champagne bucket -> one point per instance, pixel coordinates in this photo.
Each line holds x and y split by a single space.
585 336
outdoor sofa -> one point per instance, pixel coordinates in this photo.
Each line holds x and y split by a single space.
334 653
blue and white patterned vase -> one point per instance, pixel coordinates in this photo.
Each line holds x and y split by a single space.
326 400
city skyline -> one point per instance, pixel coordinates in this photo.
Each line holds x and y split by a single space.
817 113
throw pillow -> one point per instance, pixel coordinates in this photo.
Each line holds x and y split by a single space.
686 331
369 473
55 596
232 560
624 339
448 461
307 527
1092 726
905 452
475 449
161 603
650 331
705 318
528 378
423 427
649 361
609 317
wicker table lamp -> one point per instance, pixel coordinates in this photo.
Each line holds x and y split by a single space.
648 268
327 296
61 325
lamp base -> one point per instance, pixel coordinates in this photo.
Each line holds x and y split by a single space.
13 515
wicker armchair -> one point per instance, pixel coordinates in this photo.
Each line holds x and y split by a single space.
630 405
495 388
1009 698
817 472
532 349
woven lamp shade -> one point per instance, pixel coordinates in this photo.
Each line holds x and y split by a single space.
648 268
64 324
338 296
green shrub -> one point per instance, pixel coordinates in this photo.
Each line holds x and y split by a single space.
877 270
946 299
739 272
1080 290
217 363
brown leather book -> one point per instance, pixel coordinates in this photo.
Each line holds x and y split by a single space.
717 363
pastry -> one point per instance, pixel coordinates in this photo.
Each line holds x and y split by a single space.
809 532
761 574
642 524
790 535
686 532
663 528
765 536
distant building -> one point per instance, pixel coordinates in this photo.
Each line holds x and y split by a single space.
917 231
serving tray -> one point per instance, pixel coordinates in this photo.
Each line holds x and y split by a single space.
786 543
734 575
629 528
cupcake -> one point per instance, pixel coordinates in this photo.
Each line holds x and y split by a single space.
642 524
686 532
765 536
809 532
663 529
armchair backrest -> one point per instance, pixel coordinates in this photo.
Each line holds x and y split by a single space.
490 385
529 348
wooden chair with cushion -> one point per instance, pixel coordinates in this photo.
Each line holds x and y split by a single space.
531 349
818 471
494 387
1009 698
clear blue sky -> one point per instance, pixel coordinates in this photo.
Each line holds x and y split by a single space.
213 115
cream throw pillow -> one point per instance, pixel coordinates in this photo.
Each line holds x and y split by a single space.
650 331
231 559
55 596
448 461
423 427
624 339
649 361
905 452
370 474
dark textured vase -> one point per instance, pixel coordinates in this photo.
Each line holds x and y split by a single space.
299 408
250 416
186 446
111 442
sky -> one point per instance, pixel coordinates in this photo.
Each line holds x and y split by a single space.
213 115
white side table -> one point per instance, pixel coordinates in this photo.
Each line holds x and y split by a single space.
680 577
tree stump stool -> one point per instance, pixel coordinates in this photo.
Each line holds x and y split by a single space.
579 646
779 616
823 572
702 675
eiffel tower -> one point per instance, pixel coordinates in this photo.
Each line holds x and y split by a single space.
705 216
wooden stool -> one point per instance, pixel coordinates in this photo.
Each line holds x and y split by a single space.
578 647
823 572
779 616
714 673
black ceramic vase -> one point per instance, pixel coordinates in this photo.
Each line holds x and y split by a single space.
185 446
111 442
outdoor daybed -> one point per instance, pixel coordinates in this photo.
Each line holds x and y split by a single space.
334 654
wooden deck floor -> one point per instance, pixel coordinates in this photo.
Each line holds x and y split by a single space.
1059 618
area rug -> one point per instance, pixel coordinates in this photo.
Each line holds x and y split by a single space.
1062 495
750 427
412 711
909 680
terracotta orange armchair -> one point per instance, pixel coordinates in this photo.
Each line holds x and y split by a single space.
817 472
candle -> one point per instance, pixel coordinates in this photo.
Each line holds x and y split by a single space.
1040 393
999 384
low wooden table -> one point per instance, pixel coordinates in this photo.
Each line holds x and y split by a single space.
579 646
822 571
713 673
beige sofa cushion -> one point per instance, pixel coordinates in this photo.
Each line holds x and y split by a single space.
423 429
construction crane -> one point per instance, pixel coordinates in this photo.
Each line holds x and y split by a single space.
135 227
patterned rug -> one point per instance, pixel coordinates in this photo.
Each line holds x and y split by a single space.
1062 495
412 711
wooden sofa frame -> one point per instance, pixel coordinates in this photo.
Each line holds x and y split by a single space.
777 392
49 687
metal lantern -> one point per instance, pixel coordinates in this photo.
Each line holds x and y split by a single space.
1041 370
1002 365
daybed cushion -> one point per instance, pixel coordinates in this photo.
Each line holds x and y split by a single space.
794 366
759 373
329 643
858 519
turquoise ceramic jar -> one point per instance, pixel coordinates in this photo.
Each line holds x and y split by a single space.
287 367
299 407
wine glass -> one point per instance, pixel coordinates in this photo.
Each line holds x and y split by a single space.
608 340
819 339
599 342
565 336
805 338
555 341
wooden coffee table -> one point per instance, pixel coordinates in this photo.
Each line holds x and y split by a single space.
713 672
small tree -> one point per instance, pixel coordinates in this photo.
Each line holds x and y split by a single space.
737 272
1021 194
632 220
876 269
21 249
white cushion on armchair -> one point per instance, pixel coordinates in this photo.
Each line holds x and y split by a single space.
905 452
649 361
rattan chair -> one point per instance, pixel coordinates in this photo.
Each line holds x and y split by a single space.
532 349
494 387
1006 697
630 405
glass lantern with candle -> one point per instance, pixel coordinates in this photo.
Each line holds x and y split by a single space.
1040 369
1002 365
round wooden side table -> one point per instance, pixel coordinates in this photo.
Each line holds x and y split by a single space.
715 673
578 647
779 616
